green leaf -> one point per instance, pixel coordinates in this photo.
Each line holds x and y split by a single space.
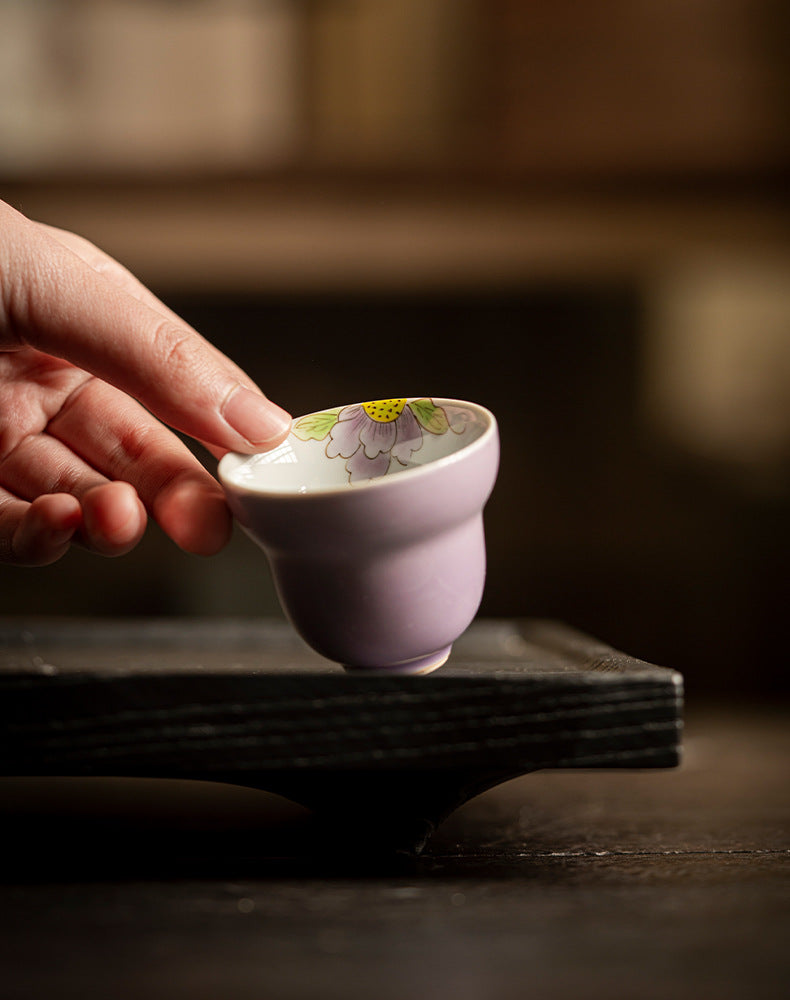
316 425
429 416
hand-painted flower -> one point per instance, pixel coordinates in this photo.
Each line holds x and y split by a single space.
369 435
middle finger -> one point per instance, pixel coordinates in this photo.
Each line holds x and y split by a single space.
118 436
113 519
41 465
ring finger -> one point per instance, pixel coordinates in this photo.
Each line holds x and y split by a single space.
38 533
113 518
113 433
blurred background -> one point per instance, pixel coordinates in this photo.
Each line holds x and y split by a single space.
573 213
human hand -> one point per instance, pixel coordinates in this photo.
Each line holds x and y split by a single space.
89 359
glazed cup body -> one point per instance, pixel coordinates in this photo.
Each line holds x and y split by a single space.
386 575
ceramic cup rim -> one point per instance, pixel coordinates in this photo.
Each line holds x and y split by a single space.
233 459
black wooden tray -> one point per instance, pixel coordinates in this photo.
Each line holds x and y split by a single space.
384 757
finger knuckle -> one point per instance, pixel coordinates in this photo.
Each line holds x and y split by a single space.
131 450
109 268
177 348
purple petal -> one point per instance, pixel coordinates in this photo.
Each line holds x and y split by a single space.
344 438
408 438
377 437
352 412
361 467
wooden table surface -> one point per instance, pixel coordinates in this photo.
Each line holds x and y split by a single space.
579 884
382 759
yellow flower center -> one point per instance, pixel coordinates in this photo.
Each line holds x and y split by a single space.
384 411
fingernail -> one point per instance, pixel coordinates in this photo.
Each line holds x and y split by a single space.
258 420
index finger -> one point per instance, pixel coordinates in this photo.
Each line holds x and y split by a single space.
53 300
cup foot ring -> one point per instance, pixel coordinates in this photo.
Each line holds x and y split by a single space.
420 665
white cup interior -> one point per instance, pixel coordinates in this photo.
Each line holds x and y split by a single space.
346 447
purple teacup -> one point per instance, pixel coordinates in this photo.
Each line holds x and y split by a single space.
371 517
